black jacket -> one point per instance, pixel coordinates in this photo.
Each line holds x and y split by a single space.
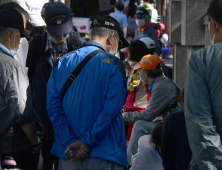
176 153
39 72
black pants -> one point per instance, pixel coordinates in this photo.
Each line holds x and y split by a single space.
48 158
25 160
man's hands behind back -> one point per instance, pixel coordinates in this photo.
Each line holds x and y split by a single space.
77 151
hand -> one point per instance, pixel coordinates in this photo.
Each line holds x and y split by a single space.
77 151
127 66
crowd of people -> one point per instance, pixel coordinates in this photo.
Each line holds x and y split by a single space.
85 108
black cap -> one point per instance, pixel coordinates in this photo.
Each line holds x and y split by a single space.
110 23
10 18
58 19
141 12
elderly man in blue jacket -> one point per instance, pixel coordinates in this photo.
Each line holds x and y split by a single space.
88 118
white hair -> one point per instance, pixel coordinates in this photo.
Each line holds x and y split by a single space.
4 31
101 32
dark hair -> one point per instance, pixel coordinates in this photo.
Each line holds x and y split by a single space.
45 4
137 50
15 6
120 6
155 135
151 51
155 73
215 10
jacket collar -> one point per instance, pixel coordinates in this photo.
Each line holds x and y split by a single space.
93 43
8 54
118 11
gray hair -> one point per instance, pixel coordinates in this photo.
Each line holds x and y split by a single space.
101 32
4 31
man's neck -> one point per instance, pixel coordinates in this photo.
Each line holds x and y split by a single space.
55 46
101 41
149 80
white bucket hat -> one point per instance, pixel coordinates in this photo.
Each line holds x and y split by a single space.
33 9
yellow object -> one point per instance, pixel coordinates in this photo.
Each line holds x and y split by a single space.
131 89
134 76
106 60
135 81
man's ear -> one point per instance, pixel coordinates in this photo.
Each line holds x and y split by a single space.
108 40
146 74
45 29
111 38
9 35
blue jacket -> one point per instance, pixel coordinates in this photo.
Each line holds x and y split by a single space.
91 108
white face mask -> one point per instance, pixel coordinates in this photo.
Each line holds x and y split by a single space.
13 51
140 22
212 41
142 80
114 52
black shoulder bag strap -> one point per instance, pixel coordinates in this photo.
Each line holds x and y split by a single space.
74 74
38 45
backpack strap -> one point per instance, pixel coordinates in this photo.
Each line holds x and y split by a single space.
74 41
72 77
38 45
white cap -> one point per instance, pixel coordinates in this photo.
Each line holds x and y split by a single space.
148 42
33 9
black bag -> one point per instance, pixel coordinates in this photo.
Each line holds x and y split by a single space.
72 77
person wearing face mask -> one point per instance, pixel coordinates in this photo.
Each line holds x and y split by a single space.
87 119
53 44
31 18
203 95
142 21
21 141
164 94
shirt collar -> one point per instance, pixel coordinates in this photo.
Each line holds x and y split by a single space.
142 28
93 43
62 47
4 48
151 85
